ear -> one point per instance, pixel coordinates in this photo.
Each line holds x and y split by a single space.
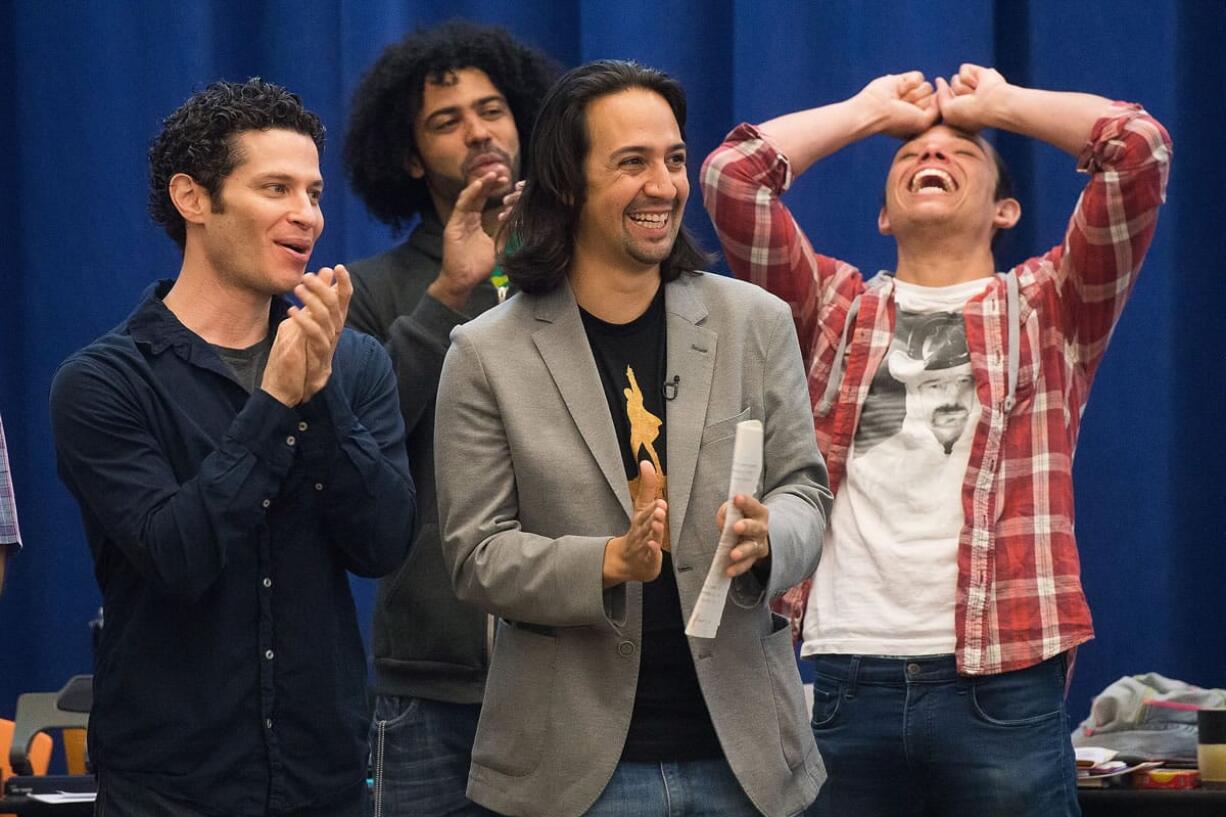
189 198
1008 211
883 222
413 165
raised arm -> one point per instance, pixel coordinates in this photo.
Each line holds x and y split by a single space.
744 178
1127 154
978 97
896 104
418 341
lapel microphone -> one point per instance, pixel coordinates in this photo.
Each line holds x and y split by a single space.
671 386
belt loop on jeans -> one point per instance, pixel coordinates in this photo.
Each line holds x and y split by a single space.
853 676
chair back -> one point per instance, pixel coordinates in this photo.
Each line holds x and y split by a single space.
39 711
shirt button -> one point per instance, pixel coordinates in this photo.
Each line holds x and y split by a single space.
266 502
319 486
267 582
626 648
268 654
290 440
268 723
302 426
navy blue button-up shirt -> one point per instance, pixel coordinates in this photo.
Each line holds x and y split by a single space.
230 672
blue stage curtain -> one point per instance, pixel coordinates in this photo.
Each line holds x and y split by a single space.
85 85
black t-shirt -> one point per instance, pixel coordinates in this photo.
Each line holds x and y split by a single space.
247 364
670 720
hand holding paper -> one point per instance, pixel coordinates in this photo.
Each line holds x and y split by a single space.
743 540
751 527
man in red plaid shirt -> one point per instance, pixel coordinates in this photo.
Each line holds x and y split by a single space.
947 400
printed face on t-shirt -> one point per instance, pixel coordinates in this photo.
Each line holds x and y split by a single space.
942 398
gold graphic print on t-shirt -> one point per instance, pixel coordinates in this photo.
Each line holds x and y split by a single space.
644 431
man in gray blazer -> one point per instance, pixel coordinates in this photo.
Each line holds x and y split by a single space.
584 437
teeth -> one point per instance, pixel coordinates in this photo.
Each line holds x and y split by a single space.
943 179
650 219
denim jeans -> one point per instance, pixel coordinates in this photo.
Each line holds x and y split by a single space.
910 736
694 788
420 751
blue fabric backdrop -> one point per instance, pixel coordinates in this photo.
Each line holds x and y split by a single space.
85 85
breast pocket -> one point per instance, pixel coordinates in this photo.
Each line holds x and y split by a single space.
723 429
710 486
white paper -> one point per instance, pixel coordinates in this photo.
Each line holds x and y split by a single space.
746 470
66 797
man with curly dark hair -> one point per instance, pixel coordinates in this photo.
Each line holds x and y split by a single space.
438 111
234 458
436 131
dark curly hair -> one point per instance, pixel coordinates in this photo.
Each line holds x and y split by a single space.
546 217
380 133
198 139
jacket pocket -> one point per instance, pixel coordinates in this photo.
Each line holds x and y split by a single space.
515 717
722 429
788 692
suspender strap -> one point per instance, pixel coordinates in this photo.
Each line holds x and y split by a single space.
1014 315
836 368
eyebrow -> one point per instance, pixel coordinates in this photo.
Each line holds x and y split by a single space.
451 110
645 149
286 177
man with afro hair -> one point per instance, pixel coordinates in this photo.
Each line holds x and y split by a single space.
436 132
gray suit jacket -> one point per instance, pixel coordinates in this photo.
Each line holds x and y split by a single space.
531 487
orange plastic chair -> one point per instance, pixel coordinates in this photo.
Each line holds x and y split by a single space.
40 751
40 754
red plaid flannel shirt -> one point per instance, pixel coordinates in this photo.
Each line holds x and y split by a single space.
1019 595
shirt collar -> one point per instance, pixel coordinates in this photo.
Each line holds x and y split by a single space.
152 324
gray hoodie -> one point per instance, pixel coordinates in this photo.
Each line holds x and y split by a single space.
426 643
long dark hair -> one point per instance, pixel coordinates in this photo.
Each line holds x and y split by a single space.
546 217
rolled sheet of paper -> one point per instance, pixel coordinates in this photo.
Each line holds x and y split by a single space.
746 470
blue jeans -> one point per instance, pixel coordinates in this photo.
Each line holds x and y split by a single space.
420 752
695 788
910 736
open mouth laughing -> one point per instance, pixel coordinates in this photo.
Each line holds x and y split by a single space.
932 181
650 220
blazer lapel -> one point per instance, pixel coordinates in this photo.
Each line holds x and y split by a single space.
691 356
563 346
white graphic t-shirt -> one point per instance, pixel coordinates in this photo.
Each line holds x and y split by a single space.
888 576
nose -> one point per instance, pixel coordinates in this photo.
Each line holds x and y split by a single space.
933 150
660 183
305 212
475 131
